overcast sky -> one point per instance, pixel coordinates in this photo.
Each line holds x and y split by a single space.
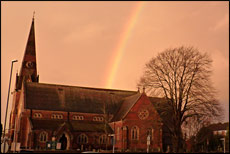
77 42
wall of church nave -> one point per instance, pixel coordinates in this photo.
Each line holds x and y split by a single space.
91 140
81 140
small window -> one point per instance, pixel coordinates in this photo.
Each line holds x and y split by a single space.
37 115
98 118
103 139
150 132
135 133
82 139
77 117
43 136
56 116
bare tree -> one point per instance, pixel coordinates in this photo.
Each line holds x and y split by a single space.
182 76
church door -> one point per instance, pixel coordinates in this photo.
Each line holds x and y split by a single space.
63 141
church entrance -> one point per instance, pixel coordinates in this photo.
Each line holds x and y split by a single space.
63 141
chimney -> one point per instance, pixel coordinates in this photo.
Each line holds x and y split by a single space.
143 89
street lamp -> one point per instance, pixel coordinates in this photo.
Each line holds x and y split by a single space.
113 140
148 143
223 139
7 104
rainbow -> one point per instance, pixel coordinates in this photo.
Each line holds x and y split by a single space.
119 50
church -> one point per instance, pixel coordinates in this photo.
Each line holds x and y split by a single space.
81 118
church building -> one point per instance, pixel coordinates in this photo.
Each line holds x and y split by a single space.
80 118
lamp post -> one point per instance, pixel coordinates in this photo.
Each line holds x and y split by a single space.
223 139
113 140
148 143
7 105
15 123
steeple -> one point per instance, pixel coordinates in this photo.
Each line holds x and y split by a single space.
28 70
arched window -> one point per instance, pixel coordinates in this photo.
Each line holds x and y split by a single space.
102 139
56 116
37 115
135 133
43 136
150 132
77 117
98 118
82 139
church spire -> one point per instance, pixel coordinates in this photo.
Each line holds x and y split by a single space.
28 70
33 15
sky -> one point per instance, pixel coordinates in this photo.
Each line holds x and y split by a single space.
107 44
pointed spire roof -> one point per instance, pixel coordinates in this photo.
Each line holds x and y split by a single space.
30 46
28 70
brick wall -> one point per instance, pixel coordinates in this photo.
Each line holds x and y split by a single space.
132 119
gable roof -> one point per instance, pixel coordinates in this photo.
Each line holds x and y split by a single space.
159 104
126 106
54 97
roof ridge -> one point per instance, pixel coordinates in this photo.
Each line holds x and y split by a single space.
103 89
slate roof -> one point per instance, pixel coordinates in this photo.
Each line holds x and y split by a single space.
77 126
126 106
162 108
219 126
30 54
46 124
54 97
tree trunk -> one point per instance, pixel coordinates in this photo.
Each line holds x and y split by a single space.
178 140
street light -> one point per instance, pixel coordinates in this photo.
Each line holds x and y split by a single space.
148 143
7 104
223 139
113 140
